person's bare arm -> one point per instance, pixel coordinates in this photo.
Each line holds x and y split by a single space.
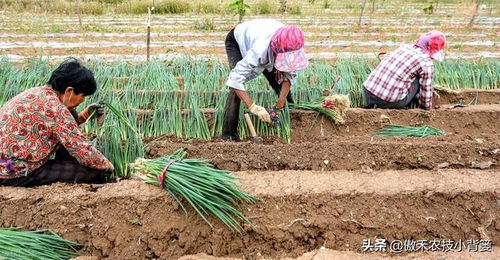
285 89
243 95
257 110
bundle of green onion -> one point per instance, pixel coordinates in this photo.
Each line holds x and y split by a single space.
333 107
409 131
40 244
206 189
318 107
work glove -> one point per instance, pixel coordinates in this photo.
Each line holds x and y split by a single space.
94 111
274 113
260 112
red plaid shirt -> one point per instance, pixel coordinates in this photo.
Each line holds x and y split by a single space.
392 78
32 124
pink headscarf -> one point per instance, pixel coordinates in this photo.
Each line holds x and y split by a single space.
431 42
287 44
288 38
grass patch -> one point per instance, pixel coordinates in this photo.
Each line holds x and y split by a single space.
204 25
264 7
92 8
295 9
161 7
326 4
111 1
172 7
207 8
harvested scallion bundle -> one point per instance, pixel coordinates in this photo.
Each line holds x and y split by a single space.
409 131
207 190
40 244
333 106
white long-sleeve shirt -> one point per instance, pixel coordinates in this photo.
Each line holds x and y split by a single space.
254 38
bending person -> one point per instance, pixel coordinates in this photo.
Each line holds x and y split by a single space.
261 46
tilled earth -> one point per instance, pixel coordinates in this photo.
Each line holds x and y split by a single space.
299 211
319 197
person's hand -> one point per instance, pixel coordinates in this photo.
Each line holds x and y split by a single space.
260 112
96 110
275 114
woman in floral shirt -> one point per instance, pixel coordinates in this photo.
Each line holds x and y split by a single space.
41 121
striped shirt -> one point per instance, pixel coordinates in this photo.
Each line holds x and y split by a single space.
391 79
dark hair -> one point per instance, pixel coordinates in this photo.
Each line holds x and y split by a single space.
71 73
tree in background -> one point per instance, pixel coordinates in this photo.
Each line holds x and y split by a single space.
361 14
476 12
240 8
78 12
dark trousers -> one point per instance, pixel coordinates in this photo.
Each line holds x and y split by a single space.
232 109
412 98
64 168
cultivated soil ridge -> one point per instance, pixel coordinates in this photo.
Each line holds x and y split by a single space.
298 212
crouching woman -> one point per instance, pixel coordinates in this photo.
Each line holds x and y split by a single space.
41 122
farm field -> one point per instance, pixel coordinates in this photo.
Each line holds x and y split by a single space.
322 187
331 32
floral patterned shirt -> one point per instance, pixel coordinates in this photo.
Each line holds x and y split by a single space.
32 125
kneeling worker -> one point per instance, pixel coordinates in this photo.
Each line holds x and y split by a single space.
40 122
405 75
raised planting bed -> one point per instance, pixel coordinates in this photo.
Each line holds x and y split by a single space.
299 211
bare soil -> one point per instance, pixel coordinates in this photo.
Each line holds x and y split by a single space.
298 212
464 121
343 153
469 96
324 254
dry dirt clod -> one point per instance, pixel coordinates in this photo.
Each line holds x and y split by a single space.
482 165
443 165
366 169
430 218
385 118
482 232
479 140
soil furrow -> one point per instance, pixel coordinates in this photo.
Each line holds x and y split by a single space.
298 212
338 154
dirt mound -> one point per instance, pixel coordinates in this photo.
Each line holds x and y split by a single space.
299 212
472 120
468 96
349 153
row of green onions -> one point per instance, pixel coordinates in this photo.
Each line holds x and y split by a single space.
146 94
409 131
35 245
206 79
